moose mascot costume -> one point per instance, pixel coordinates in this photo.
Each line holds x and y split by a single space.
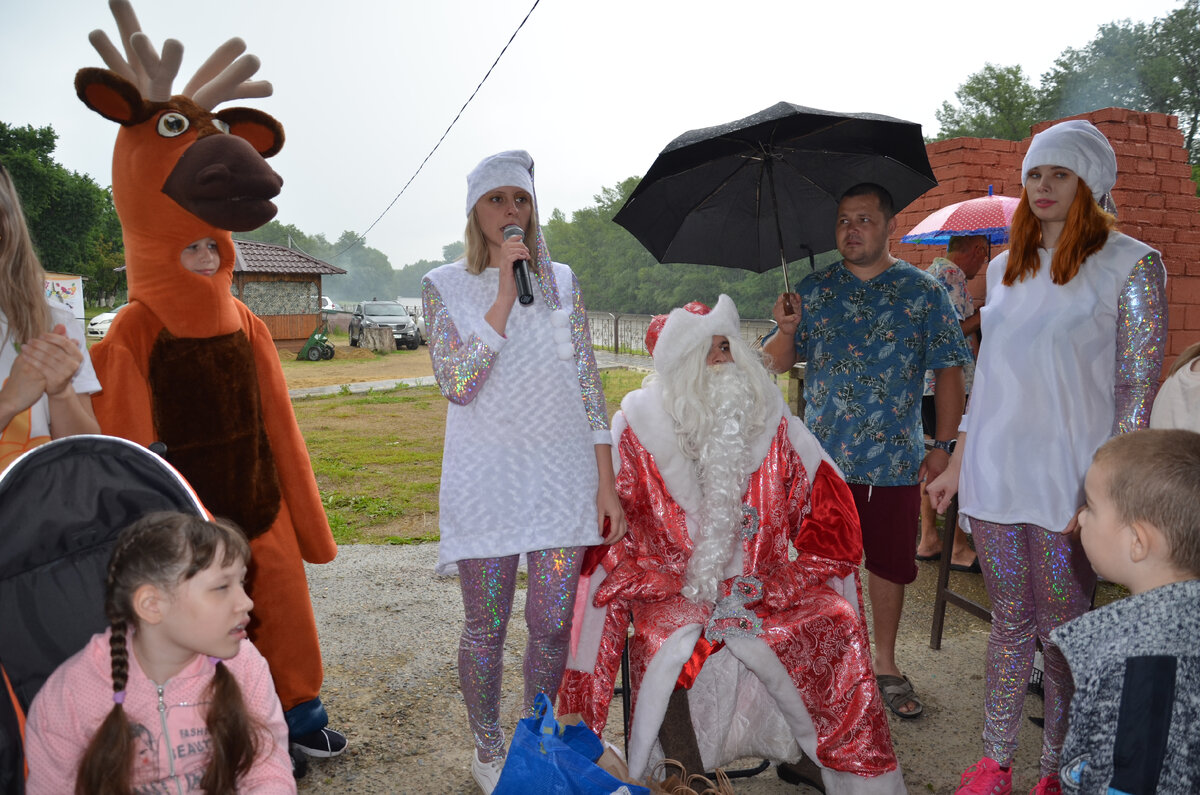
188 365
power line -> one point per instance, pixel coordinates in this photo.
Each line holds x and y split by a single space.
363 236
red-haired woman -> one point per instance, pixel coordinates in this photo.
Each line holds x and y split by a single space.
1073 335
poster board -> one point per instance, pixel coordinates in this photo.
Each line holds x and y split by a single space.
66 288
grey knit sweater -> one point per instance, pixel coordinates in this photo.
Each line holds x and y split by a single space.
1135 716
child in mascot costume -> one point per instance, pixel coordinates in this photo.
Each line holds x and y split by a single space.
188 365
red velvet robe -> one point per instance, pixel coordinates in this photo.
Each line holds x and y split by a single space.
809 619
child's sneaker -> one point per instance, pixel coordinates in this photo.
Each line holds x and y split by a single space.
1047 786
985 777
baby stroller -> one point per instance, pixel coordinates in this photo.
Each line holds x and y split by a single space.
61 508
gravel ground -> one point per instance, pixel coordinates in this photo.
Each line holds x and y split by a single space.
389 630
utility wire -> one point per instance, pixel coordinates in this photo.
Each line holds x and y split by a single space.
363 236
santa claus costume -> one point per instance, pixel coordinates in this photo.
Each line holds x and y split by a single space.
772 647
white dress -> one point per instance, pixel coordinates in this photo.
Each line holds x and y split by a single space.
1047 387
83 381
526 411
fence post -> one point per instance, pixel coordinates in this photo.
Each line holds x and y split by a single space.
616 333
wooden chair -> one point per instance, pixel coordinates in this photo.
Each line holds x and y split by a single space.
943 595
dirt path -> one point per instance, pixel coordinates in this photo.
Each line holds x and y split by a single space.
353 365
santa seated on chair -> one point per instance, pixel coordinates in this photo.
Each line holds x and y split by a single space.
765 648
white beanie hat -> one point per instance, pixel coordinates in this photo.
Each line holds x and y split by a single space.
513 169
671 338
1076 145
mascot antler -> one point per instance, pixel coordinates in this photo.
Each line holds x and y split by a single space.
224 76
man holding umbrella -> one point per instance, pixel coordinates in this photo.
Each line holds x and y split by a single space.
868 327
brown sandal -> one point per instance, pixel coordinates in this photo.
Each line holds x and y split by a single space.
898 691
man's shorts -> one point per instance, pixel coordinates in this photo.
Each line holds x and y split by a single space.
890 517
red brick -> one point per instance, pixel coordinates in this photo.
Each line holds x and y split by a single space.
1183 202
1148 166
1125 148
1155 201
1191 317
1184 290
1141 215
1164 135
1176 320
1138 134
1134 182
1190 237
1173 122
1169 168
1157 236
1179 257
1109 114
1171 185
1178 219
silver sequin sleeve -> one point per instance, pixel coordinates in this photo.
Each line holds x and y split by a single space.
1141 343
461 368
585 360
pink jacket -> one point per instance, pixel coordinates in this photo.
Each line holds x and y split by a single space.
172 741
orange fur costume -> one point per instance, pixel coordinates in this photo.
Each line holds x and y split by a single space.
187 364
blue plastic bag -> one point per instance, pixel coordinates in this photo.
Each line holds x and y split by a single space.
547 757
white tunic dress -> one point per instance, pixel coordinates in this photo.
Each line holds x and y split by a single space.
526 411
1046 384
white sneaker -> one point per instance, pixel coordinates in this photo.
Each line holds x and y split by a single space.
486 774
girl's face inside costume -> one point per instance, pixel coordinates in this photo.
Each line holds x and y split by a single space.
201 257
1051 190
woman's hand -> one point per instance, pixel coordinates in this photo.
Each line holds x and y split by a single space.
942 489
56 357
24 386
610 515
511 251
1073 526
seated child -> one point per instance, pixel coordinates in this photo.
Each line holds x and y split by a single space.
172 697
1178 402
1135 717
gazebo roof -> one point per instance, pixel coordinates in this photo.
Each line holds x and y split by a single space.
255 257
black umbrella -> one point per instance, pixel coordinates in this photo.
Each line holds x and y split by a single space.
763 191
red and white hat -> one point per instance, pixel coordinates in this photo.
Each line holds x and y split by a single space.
670 338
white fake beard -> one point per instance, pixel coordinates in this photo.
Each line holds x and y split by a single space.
723 470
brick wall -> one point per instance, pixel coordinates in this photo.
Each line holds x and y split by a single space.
1155 197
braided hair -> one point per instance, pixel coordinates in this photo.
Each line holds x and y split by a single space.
165 549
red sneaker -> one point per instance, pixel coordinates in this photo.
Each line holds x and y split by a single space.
986 777
1047 786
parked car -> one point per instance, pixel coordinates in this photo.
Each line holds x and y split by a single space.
328 303
98 326
392 314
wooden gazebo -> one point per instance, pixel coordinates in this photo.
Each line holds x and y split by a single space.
283 287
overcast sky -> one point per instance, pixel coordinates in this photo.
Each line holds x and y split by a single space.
593 89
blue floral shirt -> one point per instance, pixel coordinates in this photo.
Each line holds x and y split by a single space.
867 345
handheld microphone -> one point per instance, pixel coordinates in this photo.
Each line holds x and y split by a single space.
520 268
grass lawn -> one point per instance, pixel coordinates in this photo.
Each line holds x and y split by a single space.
378 458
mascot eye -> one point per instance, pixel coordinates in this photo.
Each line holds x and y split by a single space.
172 124
220 125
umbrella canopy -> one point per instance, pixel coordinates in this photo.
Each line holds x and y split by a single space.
763 191
984 215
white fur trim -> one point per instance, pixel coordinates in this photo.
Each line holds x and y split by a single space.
686 331
591 629
654 692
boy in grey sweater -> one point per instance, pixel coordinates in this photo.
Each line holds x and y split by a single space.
1135 716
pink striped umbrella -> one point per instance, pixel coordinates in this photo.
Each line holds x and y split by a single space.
984 215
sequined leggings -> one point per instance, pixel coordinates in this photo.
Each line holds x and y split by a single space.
1036 580
487 589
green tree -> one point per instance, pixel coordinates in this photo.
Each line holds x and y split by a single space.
71 219
1178 36
1122 67
995 102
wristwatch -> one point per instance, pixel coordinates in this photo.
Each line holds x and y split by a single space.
947 447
